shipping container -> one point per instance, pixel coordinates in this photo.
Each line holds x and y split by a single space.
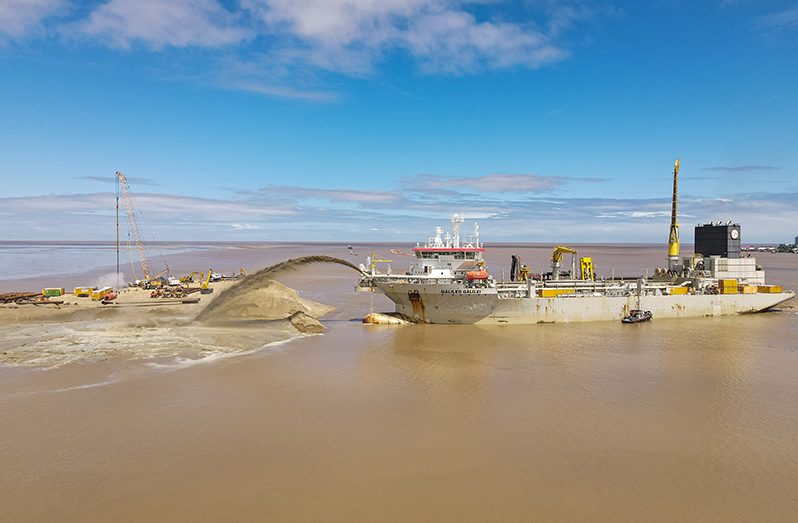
100 294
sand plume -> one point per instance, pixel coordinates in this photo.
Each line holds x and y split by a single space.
263 279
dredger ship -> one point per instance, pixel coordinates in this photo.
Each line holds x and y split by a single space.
449 282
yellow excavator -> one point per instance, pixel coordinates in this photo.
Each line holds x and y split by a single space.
205 281
190 277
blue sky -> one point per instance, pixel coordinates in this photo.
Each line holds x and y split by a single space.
373 120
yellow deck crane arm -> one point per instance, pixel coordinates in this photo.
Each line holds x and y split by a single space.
559 250
556 258
375 259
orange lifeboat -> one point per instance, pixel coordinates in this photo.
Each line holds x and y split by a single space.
477 275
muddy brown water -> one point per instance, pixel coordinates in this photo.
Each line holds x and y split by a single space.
692 420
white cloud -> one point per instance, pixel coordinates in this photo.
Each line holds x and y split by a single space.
153 206
491 183
786 18
286 48
635 214
246 227
401 215
278 91
741 168
343 195
178 23
19 17
453 41
349 35
345 36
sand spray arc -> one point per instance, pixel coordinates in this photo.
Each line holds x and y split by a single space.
261 278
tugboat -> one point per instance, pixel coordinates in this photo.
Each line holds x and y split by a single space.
637 316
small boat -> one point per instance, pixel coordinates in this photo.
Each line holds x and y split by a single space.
637 316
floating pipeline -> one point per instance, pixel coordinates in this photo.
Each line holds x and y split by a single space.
261 279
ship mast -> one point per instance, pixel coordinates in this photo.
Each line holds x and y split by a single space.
673 237
457 221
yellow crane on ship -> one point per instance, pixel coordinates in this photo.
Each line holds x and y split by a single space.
673 237
556 258
375 259
586 268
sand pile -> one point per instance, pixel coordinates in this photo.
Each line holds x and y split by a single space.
271 301
258 296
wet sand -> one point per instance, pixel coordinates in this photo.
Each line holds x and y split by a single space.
690 419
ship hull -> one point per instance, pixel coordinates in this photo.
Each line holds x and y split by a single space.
456 304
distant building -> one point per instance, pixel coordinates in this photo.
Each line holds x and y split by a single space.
796 241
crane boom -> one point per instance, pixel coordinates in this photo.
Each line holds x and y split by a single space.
556 257
559 251
673 237
133 225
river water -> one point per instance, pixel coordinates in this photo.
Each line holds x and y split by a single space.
693 419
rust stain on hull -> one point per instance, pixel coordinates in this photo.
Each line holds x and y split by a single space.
418 306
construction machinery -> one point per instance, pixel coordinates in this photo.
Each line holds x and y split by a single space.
556 258
515 266
587 270
173 291
374 259
131 211
204 283
190 277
